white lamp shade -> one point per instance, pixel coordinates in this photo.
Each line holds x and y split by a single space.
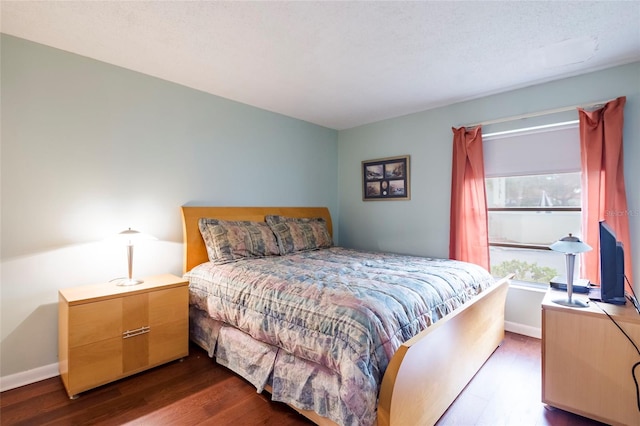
131 236
570 244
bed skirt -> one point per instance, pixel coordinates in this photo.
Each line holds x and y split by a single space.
303 384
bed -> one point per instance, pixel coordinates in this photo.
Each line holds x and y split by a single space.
410 378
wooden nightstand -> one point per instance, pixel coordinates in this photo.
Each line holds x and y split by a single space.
587 361
106 331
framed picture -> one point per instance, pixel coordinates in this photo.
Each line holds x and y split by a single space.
386 179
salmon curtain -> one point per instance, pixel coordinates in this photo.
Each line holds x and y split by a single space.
604 196
468 236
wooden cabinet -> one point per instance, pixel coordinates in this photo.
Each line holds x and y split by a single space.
587 360
106 331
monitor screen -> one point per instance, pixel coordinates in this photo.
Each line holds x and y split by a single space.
611 266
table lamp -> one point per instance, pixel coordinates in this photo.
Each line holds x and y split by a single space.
130 236
570 246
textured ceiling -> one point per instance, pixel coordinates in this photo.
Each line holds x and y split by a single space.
340 64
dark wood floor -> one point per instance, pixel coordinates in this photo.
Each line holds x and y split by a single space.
197 391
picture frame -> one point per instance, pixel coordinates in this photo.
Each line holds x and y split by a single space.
386 179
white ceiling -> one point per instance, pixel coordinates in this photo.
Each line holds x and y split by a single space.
340 64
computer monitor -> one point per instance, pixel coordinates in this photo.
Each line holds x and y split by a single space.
611 267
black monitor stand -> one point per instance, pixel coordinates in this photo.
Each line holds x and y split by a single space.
594 294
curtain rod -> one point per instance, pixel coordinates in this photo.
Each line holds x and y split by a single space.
536 114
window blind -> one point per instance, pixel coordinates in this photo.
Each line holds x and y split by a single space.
533 151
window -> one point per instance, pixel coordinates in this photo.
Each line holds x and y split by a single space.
533 184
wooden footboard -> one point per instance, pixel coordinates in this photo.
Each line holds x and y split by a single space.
429 371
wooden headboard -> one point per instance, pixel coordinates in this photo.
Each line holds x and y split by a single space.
195 251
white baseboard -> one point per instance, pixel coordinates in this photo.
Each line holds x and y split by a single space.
523 329
23 378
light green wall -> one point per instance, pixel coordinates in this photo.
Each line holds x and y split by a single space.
89 149
421 225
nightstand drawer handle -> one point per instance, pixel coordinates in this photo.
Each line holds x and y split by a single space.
138 331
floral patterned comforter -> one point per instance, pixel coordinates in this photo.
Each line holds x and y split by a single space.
347 311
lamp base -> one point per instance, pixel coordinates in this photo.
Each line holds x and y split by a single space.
572 303
129 281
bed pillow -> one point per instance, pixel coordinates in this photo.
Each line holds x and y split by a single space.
230 241
299 234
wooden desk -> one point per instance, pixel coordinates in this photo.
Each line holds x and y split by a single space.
587 360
